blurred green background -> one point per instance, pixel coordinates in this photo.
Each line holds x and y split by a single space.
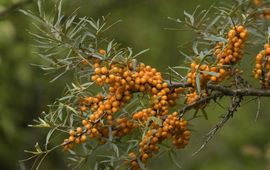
25 91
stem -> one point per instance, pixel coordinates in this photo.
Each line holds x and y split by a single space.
227 91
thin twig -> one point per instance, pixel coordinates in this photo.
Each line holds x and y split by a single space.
201 101
236 100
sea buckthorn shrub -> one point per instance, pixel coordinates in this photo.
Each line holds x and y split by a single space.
131 108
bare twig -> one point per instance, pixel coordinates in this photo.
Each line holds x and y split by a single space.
14 7
236 100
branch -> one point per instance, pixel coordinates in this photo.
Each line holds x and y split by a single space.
227 91
14 7
178 84
240 92
201 101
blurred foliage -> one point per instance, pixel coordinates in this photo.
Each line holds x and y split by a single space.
25 91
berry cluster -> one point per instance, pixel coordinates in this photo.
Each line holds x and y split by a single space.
203 72
226 55
262 67
122 126
264 15
233 50
192 96
162 98
172 127
100 113
262 10
77 137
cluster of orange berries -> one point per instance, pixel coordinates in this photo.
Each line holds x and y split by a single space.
172 127
77 137
262 67
228 54
233 50
122 80
263 13
203 71
162 99
122 126
193 96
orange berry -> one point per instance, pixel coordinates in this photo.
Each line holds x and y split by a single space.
243 35
267 50
83 108
71 138
83 138
71 132
85 62
79 130
213 78
240 28
102 51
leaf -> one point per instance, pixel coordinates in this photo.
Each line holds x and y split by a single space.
141 165
113 24
191 18
194 47
176 20
41 124
70 21
130 52
213 22
210 73
173 160
72 159
71 108
110 133
182 67
141 52
91 23
38 149
59 11
268 31
186 56
212 37
39 3
175 72
49 134
58 76
96 166
115 149
28 13
198 83
71 120
78 27
109 47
